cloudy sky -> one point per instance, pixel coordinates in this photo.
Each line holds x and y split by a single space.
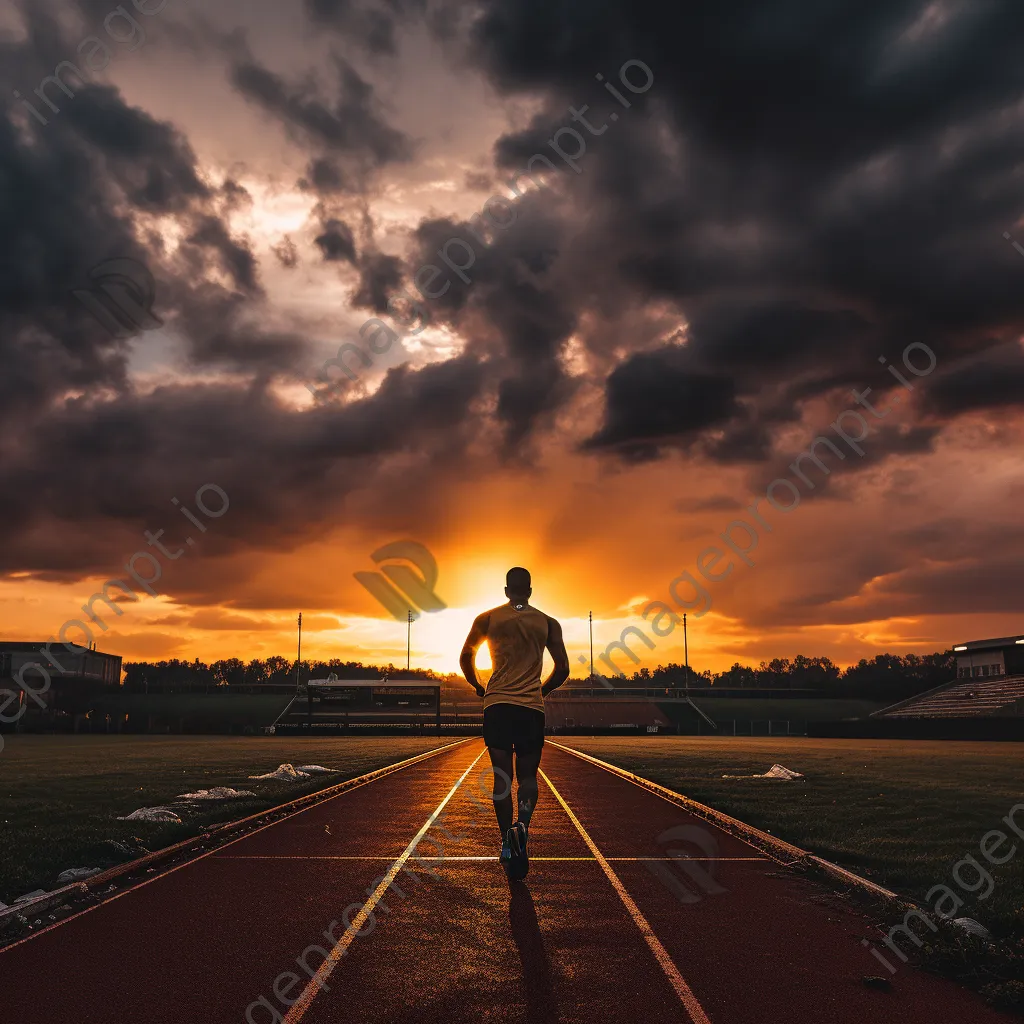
760 203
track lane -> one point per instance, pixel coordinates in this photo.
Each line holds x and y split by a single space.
357 924
754 939
467 946
694 1010
206 940
451 941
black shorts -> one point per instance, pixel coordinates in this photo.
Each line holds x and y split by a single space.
513 727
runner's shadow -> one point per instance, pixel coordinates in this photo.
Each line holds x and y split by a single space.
541 1005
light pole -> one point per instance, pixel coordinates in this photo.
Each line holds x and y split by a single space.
590 615
686 654
298 656
408 642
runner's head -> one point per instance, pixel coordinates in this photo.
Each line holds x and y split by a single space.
517 584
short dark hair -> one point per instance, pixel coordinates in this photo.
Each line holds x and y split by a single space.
518 579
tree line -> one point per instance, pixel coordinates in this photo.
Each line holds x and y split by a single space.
154 676
885 677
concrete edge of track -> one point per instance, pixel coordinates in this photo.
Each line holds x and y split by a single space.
196 844
779 850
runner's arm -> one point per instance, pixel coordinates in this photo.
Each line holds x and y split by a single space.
559 655
477 635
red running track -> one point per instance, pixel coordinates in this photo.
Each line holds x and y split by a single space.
610 926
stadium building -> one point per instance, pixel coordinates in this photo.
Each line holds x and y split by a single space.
71 664
52 680
341 705
981 659
989 684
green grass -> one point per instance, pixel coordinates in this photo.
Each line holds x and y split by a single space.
60 796
899 813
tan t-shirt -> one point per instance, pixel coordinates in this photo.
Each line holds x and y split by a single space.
516 640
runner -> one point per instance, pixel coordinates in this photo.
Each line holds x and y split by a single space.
516 634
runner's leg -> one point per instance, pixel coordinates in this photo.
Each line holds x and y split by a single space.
526 776
501 793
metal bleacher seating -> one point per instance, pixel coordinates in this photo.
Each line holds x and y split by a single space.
965 698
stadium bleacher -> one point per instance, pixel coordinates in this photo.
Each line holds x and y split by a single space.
608 713
964 698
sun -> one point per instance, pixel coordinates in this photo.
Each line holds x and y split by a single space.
437 640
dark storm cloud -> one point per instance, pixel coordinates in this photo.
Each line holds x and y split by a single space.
790 182
803 189
349 126
657 399
79 191
777 336
336 242
787 183
988 584
380 277
236 259
997 379
73 191
325 177
985 584
515 306
371 25
284 472
152 162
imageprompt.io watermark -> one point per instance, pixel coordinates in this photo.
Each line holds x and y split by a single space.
407 580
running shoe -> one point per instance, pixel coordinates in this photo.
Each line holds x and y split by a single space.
506 854
520 863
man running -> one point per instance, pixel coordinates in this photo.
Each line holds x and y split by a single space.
516 634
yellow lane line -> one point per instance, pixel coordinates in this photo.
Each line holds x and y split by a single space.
682 990
302 1004
289 856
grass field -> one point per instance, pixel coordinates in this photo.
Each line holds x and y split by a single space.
900 813
60 796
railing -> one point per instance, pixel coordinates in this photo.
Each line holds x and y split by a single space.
661 693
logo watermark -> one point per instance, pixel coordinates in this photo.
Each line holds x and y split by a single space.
699 870
406 585
121 297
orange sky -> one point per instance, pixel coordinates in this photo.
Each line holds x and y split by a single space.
633 362
606 541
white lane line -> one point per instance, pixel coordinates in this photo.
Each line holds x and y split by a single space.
303 1003
685 993
352 785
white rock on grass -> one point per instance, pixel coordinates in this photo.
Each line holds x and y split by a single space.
35 894
154 814
284 773
972 927
76 875
315 768
217 793
777 771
